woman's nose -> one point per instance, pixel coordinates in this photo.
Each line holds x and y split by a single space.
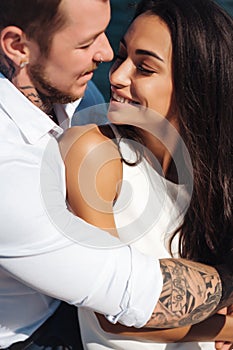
120 73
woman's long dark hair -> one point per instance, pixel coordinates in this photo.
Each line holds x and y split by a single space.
202 40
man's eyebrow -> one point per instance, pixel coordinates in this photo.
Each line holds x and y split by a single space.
144 52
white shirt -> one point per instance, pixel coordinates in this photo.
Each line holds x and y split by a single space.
46 253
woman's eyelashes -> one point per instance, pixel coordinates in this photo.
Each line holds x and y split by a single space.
119 58
145 71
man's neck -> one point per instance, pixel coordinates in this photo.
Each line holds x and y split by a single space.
37 99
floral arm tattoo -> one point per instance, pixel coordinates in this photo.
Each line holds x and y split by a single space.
191 293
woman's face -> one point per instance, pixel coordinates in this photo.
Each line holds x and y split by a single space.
142 73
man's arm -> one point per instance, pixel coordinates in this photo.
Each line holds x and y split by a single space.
215 328
191 292
46 248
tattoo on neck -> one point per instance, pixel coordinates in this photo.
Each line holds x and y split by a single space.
41 102
6 67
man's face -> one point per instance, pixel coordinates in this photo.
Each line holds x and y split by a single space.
74 51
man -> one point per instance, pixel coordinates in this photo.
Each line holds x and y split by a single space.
49 51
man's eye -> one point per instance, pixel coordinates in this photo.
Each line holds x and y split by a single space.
85 46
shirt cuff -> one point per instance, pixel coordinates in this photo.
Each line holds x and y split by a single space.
142 293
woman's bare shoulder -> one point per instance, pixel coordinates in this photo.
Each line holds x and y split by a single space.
83 139
86 138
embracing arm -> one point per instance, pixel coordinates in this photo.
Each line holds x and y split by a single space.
191 293
50 248
215 328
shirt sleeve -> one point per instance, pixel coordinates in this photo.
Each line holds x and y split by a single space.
111 282
49 249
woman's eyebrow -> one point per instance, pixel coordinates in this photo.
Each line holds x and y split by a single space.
149 53
143 52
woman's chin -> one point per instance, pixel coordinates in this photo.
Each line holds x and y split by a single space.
121 113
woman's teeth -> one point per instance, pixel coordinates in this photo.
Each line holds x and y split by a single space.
120 98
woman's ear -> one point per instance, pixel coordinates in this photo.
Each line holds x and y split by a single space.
14 45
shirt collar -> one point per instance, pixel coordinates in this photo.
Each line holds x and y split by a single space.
32 122
70 108
65 112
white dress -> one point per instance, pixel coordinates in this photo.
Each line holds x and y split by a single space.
152 208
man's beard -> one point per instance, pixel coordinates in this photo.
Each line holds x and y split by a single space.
47 92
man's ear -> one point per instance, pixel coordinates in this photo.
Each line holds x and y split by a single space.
14 44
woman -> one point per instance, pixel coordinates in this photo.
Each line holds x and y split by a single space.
173 73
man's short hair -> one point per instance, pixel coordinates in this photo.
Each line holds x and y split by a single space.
39 19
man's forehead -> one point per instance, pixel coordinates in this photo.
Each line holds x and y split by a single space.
74 8
85 19
80 2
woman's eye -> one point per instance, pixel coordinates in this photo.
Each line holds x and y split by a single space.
145 70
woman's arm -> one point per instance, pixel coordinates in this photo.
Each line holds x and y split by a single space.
93 175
